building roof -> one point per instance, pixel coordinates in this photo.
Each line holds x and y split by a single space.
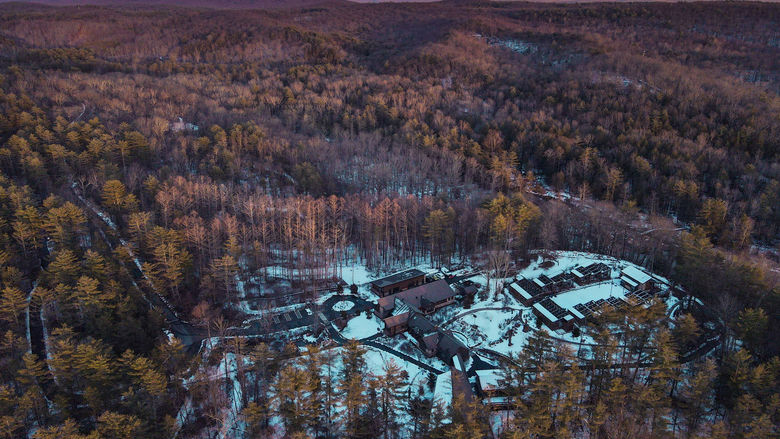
576 313
636 274
420 325
434 292
545 312
629 281
490 379
449 346
396 320
397 277
519 290
431 341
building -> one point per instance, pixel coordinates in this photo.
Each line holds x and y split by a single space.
490 382
595 272
551 314
520 294
398 282
397 324
632 279
427 298
426 334
434 341
526 291
180 125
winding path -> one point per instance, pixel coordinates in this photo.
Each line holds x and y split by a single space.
403 356
369 341
27 315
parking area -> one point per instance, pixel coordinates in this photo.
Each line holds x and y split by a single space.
295 318
306 315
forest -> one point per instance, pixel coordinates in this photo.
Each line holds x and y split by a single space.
157 161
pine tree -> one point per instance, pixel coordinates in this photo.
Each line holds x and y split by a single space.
12 305
225 269
67 429
352 386
391 385
114 195
64 268
313 364
256 416
117 426
171 263
64 223
33 373
292 388
686 332
696 396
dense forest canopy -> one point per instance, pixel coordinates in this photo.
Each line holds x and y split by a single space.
283 144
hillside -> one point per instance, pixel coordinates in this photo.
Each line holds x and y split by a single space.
333 219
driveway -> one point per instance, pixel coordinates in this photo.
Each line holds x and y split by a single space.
358 306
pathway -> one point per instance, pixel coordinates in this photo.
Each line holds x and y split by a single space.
27 315
369 341
403 356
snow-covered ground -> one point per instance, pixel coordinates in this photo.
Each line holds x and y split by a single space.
495 321
362 326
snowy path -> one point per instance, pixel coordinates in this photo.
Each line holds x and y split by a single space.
338 338
47 347
27 315
402 356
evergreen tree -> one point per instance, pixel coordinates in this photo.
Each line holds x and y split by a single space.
352 387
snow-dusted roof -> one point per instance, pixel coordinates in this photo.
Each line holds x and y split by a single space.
545 312
636 274
520 290
443 389
537 281
397 277
629 281
576 313
577 273
435 292
398 319
489 379
456 361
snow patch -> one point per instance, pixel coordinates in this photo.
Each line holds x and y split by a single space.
362 327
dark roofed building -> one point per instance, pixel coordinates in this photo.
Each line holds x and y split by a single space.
396 324
434 341
427 298
398 282
632 279
594 272
419 326
450 347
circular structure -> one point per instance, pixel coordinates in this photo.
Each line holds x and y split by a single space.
344 305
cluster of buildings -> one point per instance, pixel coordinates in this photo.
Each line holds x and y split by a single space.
538 293
405 301
528 291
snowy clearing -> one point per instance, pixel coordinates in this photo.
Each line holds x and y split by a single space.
362 327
